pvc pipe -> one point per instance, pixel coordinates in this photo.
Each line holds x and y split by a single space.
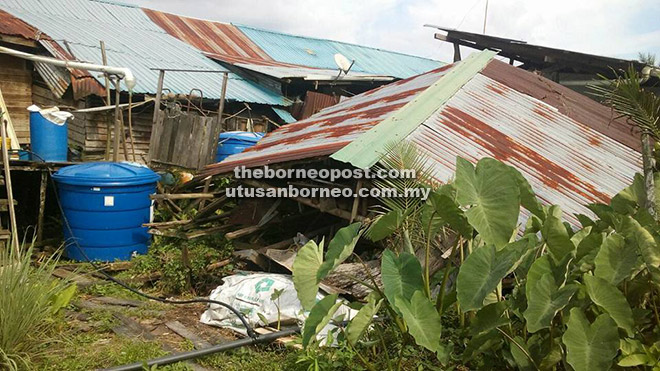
123 72
178 357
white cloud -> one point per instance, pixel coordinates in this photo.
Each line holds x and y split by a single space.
607 27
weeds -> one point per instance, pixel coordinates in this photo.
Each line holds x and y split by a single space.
29 296
165 257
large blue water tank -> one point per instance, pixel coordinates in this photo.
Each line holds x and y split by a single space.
232 142
105 204
48 139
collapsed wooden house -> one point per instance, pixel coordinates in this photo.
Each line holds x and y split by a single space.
569 147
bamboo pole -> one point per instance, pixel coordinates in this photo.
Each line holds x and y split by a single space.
104 57
10 195
115 151
130 123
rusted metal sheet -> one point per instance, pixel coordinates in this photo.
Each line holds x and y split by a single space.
12 26
210 37
566 161
576 106
331 128
566 147
315 102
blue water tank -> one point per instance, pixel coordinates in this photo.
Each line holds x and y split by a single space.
47 138
105 204
232 142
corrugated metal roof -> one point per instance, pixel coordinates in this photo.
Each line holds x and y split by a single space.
284 115
319 53
133 40
331 128
563 148
309 73
566 162
12 26
208 36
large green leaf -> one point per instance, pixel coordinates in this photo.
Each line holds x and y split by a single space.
363 318
611 300
62 298
305 270
448 211
528 198
423 321
647 245
616 259
319 317
543 265
544 301
522 360
385 225
339 249
590 346
493 198
482 271
629 199
556 236
489 317
401 275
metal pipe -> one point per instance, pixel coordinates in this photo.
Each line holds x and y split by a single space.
123 72
183 356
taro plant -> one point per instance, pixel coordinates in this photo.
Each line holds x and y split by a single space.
559 292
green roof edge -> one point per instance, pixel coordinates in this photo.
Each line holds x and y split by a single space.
367 149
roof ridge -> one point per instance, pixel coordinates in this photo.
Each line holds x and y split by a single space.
113 2
365 151
334 41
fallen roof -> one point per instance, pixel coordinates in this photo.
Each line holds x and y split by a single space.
535 55
567 145
134 41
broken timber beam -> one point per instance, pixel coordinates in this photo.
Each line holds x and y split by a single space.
307 201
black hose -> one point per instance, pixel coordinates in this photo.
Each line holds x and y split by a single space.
250 331
183 356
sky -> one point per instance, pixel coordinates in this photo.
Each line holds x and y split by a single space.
616 28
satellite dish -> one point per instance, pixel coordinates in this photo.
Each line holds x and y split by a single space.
343 63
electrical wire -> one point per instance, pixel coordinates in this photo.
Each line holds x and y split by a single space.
250 331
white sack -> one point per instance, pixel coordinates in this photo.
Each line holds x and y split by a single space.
250 295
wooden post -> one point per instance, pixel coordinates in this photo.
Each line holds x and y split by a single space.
10 194
107 101
43 186
221 108
115 154
130 123
159 90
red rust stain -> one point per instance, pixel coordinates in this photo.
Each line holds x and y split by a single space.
494 88
595 141
505 148
543 113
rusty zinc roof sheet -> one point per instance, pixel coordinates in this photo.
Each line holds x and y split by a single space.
12 26
566 145
566 162
208 36
331 128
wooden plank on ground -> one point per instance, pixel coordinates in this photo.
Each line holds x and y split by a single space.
79 280
185 333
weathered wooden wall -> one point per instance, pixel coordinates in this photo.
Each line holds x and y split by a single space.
16 86
184 140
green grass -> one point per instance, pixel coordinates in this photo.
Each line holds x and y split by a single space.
28 300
